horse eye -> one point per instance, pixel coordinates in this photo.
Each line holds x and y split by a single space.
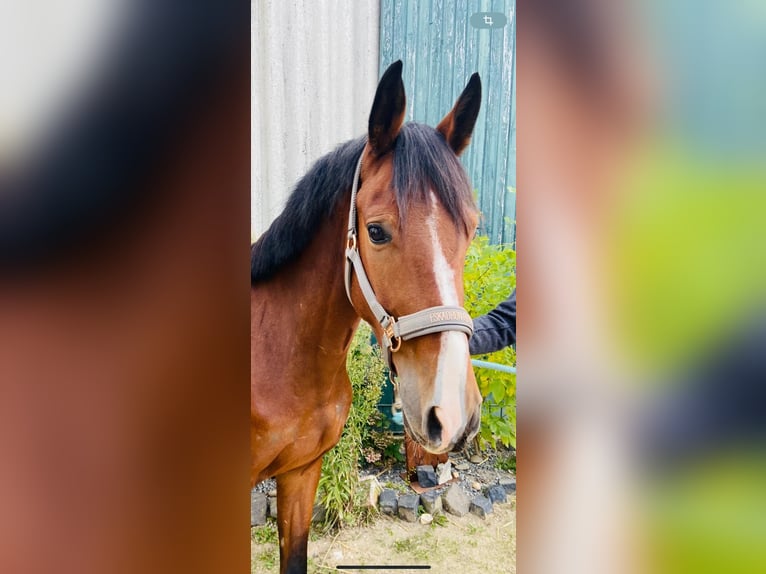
377 234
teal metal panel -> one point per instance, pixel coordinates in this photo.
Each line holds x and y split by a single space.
440 50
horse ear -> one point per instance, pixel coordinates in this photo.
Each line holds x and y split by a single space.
387 113
457 125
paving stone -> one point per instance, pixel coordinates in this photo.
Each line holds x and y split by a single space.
509 484
372 489
481 506
497 494
387 501
408 507
431 501
427 476
444 472
258 508
456 501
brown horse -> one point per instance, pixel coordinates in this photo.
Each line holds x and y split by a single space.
411 215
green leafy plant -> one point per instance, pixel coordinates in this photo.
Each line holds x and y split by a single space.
339 490
489 277
507 462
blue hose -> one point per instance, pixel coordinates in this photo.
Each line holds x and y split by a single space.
493 366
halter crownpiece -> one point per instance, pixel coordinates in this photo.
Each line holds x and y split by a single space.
395 330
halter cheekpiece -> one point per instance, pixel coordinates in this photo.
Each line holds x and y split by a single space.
395 330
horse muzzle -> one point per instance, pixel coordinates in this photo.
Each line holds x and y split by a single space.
438 434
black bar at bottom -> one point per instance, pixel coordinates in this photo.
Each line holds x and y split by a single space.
384 567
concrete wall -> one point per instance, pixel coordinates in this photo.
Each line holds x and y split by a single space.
315 69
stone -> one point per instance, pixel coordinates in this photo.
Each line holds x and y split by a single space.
497 494
509 484
476 485
462 466
444 472
273 507
426 519
426 476
455 474
258 508
456 501
408 507
387 502
319 514
372 491
273 493
481 506
431 501
476 459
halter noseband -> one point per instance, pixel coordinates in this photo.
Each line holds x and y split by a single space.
430 320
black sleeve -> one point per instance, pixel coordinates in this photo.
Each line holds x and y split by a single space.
495 330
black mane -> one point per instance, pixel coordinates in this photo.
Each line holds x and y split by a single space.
420 155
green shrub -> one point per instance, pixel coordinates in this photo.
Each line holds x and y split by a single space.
489 277
381 447
338 488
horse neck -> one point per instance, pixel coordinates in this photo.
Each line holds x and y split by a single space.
313 292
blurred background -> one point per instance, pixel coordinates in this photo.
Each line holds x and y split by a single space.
124 310
642 258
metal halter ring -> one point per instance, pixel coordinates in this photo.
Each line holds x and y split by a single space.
389 331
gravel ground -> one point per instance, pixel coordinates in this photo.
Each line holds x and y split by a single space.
266 486
485 473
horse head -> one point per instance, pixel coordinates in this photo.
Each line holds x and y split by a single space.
415 217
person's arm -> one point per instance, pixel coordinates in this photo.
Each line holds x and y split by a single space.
495 330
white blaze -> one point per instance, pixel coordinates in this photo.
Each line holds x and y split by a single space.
449 384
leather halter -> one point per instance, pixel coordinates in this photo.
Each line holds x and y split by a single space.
395 330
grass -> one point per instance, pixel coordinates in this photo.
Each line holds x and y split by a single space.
268 558
419 547
422 547
472 529
266 534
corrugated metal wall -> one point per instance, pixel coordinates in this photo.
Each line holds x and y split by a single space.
314 73
440 51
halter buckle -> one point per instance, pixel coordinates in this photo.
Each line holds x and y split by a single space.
388 329
352 241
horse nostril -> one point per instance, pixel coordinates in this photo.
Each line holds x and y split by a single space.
434 427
